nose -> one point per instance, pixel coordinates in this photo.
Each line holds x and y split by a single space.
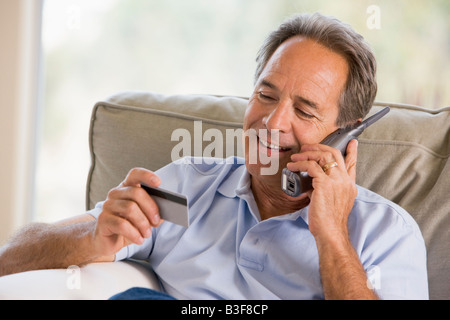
279 118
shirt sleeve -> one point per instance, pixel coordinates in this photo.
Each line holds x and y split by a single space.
392 251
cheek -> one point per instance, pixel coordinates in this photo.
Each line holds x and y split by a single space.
312 132
305 131
252 115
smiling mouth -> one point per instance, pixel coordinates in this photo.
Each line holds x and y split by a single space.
272 146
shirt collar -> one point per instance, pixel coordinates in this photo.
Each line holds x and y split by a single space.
230 186
238 185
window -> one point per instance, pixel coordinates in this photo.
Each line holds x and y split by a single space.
95 48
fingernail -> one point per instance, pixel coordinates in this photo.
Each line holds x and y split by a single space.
156 219
155 181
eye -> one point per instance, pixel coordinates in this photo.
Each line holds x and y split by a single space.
264 96
303 114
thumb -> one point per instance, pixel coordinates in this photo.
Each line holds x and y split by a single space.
136 176
351 157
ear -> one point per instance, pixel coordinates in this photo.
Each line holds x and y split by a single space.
350 123
354 123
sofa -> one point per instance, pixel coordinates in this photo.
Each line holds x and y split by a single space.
404 157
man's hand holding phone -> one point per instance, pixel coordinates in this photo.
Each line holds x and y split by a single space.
334 188
331 201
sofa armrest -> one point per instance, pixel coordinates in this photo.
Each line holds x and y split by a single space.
93 281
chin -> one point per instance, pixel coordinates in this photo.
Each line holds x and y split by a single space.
270 169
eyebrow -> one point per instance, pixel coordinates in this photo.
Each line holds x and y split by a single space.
268 84
298 98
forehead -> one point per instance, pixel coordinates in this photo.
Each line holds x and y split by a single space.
299 60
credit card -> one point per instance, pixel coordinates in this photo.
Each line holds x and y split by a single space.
172 206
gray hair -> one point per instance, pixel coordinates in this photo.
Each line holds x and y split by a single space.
361 86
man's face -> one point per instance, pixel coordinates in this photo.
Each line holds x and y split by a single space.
297 94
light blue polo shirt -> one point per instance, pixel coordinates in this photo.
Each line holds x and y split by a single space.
228 253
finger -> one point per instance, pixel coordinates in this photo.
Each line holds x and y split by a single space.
136 176
311 167
320 156
130 211
112 225
351 158
145 203
336 154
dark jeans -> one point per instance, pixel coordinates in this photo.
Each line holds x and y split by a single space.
138 293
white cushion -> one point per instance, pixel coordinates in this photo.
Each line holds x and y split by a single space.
93 281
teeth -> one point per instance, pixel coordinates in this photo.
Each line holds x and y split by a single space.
271 146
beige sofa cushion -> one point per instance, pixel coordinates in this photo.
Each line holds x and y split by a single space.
403 157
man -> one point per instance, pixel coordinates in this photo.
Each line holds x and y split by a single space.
247 239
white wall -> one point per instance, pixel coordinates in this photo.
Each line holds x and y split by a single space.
20 28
